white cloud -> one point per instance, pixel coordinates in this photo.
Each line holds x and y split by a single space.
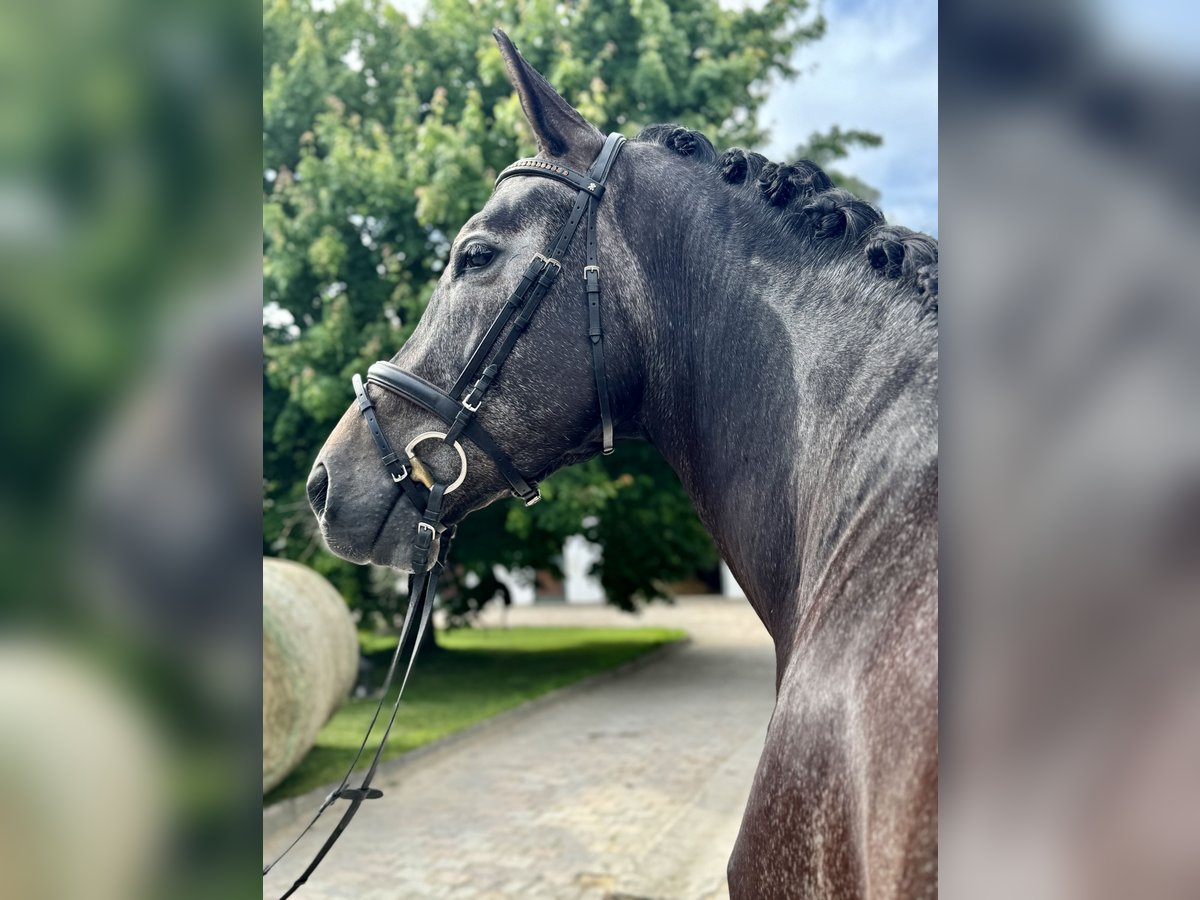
875 69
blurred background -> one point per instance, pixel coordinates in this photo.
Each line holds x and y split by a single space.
1070 440
129 491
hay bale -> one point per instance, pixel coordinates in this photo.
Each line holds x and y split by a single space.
310 659
83 779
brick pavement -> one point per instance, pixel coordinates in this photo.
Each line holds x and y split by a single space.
632 786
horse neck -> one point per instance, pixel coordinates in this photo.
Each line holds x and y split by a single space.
787 395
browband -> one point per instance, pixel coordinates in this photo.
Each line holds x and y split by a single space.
565 174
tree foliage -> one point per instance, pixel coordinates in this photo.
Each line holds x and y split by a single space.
381 136
834 145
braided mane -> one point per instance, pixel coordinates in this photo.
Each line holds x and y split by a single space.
827 219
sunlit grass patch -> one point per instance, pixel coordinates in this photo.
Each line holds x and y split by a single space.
478 673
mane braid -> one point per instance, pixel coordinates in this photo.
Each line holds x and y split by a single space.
829 220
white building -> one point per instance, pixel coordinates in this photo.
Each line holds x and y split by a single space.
579 585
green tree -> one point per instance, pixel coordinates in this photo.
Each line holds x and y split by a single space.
381 137
830 147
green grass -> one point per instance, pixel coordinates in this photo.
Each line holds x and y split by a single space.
479 673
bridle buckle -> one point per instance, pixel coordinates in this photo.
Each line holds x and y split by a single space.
427 527
549 260
587 269
537 495
403 474
468 407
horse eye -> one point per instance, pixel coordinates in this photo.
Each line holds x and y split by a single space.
477 255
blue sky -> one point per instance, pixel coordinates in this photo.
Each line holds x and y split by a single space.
875 69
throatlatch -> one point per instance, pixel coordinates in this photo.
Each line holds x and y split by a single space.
457 409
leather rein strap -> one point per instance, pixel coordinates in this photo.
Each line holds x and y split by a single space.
422 589
457 408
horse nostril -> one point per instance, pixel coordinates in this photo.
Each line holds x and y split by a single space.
318 489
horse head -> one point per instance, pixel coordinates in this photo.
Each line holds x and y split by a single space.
543 398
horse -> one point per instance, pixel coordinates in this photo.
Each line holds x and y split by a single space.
776 340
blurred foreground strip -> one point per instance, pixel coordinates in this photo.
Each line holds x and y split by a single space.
1071 458
83 778
129 477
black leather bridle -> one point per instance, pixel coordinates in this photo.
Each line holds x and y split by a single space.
458 409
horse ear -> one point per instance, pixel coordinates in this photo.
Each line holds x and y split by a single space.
559 129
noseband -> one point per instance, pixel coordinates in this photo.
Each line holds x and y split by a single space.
457 408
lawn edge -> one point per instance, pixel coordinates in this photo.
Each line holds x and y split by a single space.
286 811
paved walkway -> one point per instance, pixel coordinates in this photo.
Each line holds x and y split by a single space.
630 787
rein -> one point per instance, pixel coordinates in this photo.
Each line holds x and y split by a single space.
457 408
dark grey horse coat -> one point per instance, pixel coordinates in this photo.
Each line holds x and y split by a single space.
778 343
